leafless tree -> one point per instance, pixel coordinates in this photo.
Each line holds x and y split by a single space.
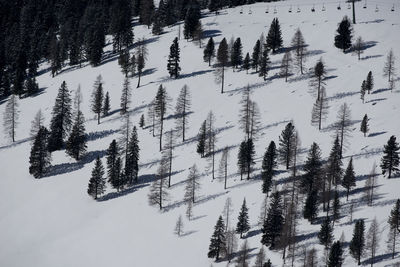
227 212
300 52
37 123
158 190
373 237
370 186
254 120
151 117
358 47
343 125
318 77
211 139
182 110
223 165
244 255
286 66
389 68
168 151
10 117
231 244
141 57
320 109
245 110
189 210
263 211
179 226
312 258
192 185
125 134
260 258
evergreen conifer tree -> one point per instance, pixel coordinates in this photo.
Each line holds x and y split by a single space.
311 206
243 220
132 159
268 167
335 258
344 34
264 63
349 178
112 155
97 182
192 20
390 160
173 59
394 224
209 51
325 235
76 143
160 109
97 98
237 54
120 24
40 157
357 243
141 122
312 168
363 90
201 137
369 82
10 116
273 224
222 58
364 125
125 96
106 105
246 63
336 207
334 170
286 145
61 119
255 56
274 37
242 158
218 240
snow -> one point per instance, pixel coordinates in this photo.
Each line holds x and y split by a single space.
53 222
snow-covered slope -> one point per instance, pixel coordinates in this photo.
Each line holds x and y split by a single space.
53 222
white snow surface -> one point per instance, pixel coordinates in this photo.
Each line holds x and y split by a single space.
53 222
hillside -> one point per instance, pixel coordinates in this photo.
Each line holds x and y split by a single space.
52 221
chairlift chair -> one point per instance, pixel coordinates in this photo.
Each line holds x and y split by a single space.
376 8
365 4
392 8
338 7
250 12
241 11
313 8
290 9
275 11
323 7
298 9
267 10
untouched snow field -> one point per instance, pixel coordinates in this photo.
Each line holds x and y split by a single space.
53 222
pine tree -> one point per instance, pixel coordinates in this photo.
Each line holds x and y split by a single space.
244 255
97 97
132 65
336 255
312 169
146 12
61 119
76 143
344 34
132 158
10 117
40 157
364 125
31 87
117 179
120 24
209 51
363 90
255 56
311 206
394 224
274 222
264 63
201 137
182 110
390 160
97 183
334 170
249 156
336 207
113 172
325 236
192 185
242 158
123 61
243 220
369 82
106 105
192 20
246 63
268 167
274 37
237 54
142 121
125 96
357 243
218 241
349 178
286 66
158 191
286 145
160 109
173 59
300 52
222 59
389 68
317 80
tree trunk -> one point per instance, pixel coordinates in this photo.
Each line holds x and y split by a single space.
223 74
138 84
